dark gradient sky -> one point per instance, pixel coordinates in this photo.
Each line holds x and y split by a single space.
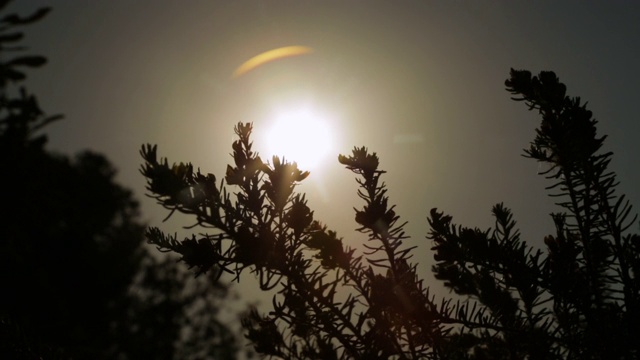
130 72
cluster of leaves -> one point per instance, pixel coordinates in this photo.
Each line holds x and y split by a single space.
577 300
22 118
78 280
270 229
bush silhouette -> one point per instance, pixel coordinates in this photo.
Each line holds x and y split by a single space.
78 280
576 299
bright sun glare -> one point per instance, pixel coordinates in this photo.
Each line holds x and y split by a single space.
302 136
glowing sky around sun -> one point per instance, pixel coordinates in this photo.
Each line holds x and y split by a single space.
299 135
419 82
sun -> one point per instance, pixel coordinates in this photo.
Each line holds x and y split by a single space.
302 136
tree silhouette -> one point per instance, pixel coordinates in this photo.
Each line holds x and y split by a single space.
78 280
578 299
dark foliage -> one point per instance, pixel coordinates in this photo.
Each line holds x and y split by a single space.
267 228
78 280
578 299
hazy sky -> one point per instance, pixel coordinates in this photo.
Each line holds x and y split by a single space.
421 83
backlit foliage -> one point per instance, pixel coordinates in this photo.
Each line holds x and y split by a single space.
576 299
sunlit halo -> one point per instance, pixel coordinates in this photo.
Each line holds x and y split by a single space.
302 136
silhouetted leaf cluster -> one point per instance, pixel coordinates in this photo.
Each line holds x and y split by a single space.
10 71
580 299
576 300
268 228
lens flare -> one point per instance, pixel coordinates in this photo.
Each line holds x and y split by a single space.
268 56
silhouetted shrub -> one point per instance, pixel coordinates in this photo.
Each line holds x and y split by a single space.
578 299
78 280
